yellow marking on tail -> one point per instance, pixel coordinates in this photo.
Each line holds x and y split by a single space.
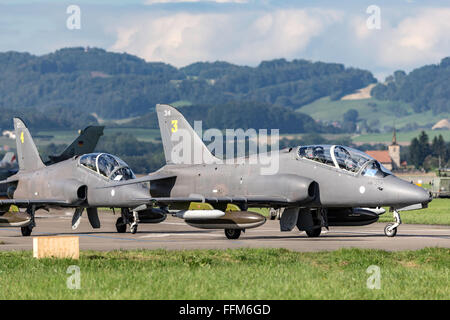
174 125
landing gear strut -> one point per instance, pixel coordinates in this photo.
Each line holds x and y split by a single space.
127 218
134 224
26 231
391 228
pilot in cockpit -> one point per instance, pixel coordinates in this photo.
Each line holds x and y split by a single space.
319 154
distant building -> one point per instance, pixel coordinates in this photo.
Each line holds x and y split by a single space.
382 156
390 158
394 152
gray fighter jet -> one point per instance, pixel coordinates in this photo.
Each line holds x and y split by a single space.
88 182
315 186
62 181
84 143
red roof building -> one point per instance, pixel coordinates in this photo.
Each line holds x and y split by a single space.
382 156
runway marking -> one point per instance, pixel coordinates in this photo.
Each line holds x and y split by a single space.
180 234
175 223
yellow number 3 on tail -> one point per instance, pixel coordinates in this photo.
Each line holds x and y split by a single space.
174 125
21 137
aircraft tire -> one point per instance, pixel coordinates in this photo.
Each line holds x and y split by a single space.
314 233
120 226
389 233
26 231
233 234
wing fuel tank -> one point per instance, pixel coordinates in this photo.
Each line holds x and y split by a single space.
351 217
200 214
229 220
152 215
15 219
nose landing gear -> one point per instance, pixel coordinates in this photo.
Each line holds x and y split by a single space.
391 228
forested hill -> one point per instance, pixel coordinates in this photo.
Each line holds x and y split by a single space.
426 88
116 86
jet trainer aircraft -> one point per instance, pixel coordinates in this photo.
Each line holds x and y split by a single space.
84 143
316 185
87 182
29 161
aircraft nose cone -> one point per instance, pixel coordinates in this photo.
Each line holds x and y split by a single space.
412 194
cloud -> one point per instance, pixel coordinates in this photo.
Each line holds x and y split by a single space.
240 37
421 37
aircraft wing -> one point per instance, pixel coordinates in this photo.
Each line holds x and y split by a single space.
254 200
9 180
148 178
21 202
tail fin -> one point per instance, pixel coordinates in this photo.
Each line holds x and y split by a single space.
27 153
9 157
84 143
173 124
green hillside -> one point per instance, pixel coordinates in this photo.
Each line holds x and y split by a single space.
116 86
379 114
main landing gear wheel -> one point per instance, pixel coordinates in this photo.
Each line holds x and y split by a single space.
314 233
233 233
26 231
389 231
121 227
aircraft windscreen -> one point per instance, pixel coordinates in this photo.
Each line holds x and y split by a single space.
375 169
345 158
350 159
107 165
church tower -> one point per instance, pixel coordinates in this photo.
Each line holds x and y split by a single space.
394 151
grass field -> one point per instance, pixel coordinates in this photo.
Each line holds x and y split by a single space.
385 111
438 212
401 136
229 274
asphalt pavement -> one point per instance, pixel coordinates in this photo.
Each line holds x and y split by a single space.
173 233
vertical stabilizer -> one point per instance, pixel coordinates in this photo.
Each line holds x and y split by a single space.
27 153
84 143
174 129
9 157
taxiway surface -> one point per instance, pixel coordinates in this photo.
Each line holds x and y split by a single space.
173 233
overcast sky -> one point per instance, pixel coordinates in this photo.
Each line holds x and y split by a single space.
412 32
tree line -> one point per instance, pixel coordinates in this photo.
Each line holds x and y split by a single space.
429 155
427 88
117 86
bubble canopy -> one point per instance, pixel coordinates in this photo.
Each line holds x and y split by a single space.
344 158
107 165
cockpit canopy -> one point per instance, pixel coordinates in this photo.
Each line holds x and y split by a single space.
107 165
345 158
